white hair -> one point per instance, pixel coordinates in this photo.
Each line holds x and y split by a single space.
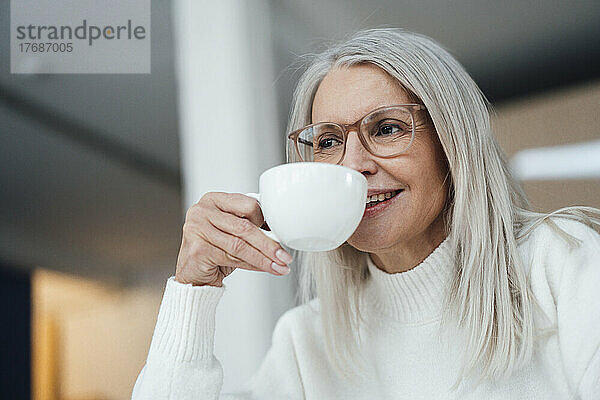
488 212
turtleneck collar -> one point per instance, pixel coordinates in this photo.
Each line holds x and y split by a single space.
413 296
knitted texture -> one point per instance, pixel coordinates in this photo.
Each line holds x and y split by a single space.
411 354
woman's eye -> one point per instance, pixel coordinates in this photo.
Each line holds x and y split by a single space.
388 130
389 127
328 143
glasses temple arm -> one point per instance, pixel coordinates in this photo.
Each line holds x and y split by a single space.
305 142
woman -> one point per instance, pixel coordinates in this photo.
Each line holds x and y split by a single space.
451 288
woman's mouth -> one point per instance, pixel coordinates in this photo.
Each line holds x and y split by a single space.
378 202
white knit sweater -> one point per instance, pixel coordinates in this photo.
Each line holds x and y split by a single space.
410 356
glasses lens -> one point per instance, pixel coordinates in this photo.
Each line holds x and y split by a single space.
388 131
321 143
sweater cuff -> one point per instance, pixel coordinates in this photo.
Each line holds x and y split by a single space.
185 328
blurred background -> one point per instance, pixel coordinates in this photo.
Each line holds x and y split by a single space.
96 171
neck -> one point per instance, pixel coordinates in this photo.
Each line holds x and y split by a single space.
406 255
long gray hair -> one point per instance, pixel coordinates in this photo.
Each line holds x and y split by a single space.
488 212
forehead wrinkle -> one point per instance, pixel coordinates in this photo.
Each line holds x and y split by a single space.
350 114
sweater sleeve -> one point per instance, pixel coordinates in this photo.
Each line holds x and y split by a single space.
181 362
578 311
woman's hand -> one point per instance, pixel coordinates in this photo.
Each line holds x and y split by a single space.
221 232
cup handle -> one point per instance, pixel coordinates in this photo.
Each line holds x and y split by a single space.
256 196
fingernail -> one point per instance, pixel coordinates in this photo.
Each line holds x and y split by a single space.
284 256
281 268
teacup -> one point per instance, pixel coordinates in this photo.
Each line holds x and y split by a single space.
311 206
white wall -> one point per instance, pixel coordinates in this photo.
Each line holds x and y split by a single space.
229 135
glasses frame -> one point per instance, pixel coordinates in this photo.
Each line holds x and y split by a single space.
347 128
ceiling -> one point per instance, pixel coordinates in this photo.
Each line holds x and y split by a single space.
90 163
511 48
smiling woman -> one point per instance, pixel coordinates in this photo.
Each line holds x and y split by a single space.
417 165
449 287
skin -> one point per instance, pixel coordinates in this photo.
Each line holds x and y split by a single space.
344 96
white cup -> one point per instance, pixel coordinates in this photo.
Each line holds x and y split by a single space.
311 206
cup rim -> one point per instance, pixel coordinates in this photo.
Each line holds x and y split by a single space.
314 164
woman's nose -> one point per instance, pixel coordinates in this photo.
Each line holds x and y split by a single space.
357 157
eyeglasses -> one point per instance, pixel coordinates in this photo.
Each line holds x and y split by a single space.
384 132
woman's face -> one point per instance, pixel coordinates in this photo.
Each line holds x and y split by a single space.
344 96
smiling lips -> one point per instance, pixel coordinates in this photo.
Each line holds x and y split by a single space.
379 197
